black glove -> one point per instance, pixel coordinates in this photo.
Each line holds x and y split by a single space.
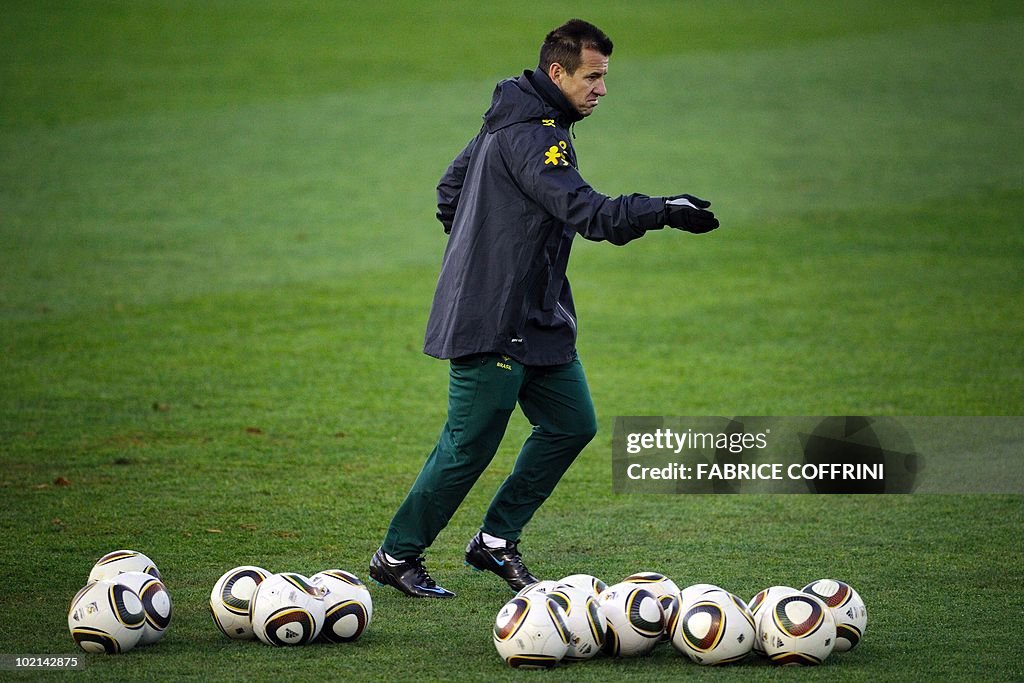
689 213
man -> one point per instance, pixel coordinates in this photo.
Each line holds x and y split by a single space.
503 315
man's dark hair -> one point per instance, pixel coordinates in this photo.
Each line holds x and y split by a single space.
566 43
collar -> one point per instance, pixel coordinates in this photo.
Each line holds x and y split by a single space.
551 94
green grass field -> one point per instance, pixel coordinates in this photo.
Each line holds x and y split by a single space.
217 253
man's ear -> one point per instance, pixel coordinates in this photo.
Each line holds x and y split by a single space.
555 72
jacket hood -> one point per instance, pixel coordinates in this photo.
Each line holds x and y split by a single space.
528 97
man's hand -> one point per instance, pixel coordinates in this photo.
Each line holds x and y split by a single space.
689 213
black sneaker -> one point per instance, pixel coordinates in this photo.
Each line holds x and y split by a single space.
505 562
408 576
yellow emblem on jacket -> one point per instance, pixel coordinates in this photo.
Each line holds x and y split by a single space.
556 155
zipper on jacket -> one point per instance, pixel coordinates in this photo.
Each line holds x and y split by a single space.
568 317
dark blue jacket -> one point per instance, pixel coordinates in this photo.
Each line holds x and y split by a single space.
513 201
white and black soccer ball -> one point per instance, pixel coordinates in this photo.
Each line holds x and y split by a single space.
121 561
587 625
636 620
530 632
797 629
106 617
847 609
714 628
659 584
348 607
286 609
757 603
230 597
691 593
156 603
586 582
664 589
539 588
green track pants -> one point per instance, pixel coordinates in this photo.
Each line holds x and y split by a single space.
483 390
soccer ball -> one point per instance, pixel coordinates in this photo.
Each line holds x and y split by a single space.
586 582
120 561
659 584
670 606
106 617
757 604
287 610
347 605
156 603
229 600
530 632
715 628
664 589
767 595
539 588
797 629
691 593
636 620
847 608
587 626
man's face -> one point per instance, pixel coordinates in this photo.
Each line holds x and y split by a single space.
584 86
